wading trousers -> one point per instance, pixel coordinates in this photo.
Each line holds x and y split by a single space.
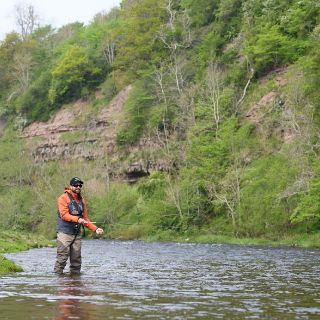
68 246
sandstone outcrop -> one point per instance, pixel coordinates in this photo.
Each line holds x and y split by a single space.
76 132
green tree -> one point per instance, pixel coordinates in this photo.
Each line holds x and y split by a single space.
34 103
200 11
8 48
301 18
71 74
139 44
270 49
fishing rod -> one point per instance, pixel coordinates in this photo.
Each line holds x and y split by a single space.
104 222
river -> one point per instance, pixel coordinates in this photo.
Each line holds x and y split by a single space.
140 280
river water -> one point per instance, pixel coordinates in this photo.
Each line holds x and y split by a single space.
139 280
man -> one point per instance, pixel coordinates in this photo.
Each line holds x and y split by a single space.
72 213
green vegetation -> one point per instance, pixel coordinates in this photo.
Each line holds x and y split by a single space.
226 89
7 266
12 241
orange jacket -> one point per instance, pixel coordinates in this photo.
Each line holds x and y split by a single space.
65 215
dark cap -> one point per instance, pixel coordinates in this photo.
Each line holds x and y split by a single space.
74 181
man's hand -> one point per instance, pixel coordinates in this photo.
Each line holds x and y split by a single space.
99 231
83 221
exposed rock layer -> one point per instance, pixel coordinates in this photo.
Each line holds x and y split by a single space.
74 133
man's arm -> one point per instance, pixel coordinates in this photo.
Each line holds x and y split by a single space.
87 223
64 210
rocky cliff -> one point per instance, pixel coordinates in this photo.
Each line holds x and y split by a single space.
78 132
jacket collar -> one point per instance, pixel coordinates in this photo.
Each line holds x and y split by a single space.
73 194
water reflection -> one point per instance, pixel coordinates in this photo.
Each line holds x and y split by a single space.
70 296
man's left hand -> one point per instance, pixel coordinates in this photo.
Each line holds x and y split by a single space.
99 231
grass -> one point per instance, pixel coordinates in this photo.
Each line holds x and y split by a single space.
7 266
15 241
290 240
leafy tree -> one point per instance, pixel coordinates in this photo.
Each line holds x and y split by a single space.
308 207
139 44
34 103
270 49
137 109
42 53
225 27
72 72
66 35
261 210
200 11
301 18
8 49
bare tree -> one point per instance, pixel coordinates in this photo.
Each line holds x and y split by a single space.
228 193
108 48
159 78
228 190
251 73
26 19
22 69
211 93
173 44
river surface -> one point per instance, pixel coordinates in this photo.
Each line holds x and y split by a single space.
139 280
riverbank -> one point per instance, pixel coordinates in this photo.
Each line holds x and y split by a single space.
293 240
17 241
136 232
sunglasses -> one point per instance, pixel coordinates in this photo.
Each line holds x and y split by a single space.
78 185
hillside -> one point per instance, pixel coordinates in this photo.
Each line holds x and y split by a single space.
187 119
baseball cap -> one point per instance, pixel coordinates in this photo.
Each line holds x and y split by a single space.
74 181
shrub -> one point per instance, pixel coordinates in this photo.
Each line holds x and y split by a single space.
136 111
270 49
35 101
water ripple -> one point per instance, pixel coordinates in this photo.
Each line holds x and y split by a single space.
134 279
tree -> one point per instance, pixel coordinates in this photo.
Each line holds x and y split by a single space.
138 45
22 69
270 48
70 74
8 49
214 87
26 19
200 11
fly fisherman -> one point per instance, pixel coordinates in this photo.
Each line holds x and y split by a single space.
72 213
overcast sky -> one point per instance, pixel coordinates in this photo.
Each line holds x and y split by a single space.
54 12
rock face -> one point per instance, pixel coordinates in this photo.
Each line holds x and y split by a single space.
271 101
88 150
75 132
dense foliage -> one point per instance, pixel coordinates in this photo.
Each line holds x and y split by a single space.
229 87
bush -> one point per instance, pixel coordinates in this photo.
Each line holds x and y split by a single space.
35 102
118 202
137 109
308 207
270 49
261 211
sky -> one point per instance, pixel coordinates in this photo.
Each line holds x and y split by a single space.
54 12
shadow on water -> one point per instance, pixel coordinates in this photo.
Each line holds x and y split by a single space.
135 280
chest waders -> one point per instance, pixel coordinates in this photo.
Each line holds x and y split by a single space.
68 239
